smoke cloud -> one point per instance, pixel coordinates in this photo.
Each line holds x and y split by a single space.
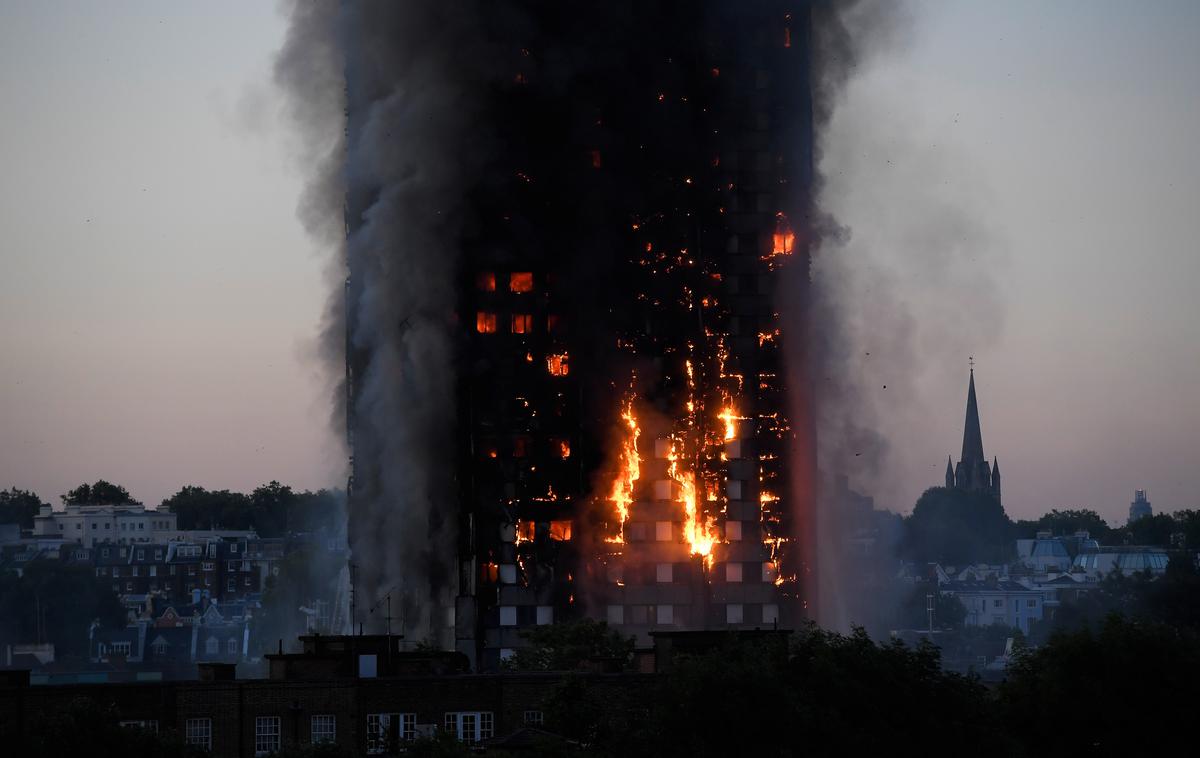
903 278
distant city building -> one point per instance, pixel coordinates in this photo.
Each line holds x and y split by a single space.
1003 602
973 473
1140 507
1127 559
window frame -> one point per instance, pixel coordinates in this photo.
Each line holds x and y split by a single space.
268 734
198 732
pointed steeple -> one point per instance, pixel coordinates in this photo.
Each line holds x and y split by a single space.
949 473
972 448
995 468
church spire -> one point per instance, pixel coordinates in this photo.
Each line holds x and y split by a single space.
972 447
949 473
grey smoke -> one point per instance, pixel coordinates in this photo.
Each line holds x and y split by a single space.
903 276
398 173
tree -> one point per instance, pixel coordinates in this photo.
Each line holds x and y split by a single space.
1098 692
569 645
948 611
198 508
1152 530
957 527
19 507
1067 522
100 493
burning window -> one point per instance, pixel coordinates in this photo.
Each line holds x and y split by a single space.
522 323
560 531
489 573
784 237
556 364
488 449
486 281
526 531
561 446
485 323
553 323
520 281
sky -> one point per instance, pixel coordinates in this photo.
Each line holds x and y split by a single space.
1020 181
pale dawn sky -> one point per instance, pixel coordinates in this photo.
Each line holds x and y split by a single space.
159 299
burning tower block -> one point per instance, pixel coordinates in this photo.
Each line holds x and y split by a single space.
631 263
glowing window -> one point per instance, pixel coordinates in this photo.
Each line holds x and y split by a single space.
522 323
560 530
526 530
563 447
596 162
552 323
485 323
486 281
556 364
520 281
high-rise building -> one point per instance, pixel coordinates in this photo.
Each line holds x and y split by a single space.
1140 507
633 267
973 472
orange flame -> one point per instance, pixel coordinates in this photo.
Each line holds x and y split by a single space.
630 470
699 531
730 418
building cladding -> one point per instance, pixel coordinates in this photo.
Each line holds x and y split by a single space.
622 426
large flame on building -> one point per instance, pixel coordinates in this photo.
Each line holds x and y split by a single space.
699 530
629 469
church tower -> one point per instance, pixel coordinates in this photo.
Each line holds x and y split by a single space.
973 472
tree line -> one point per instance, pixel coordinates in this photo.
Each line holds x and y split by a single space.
272 509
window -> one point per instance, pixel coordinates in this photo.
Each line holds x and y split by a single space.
560 531
997 603
665 614
231 646
133 570
212 646
159 648
266 735
471 726
733 572
662 531
486 281
485 323
520 281
1031 602
545 615
665 573
142 526
129 586
120 648
733 612
150 725
508 615
386 729
324 728
233 548
209 566
534 718
615 614
104 552
733 531
198 732
231 585
154 571
522 323
556 364
770 613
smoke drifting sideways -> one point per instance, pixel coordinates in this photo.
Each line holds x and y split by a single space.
904 288
384 94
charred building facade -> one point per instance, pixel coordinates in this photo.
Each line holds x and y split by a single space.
629 260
